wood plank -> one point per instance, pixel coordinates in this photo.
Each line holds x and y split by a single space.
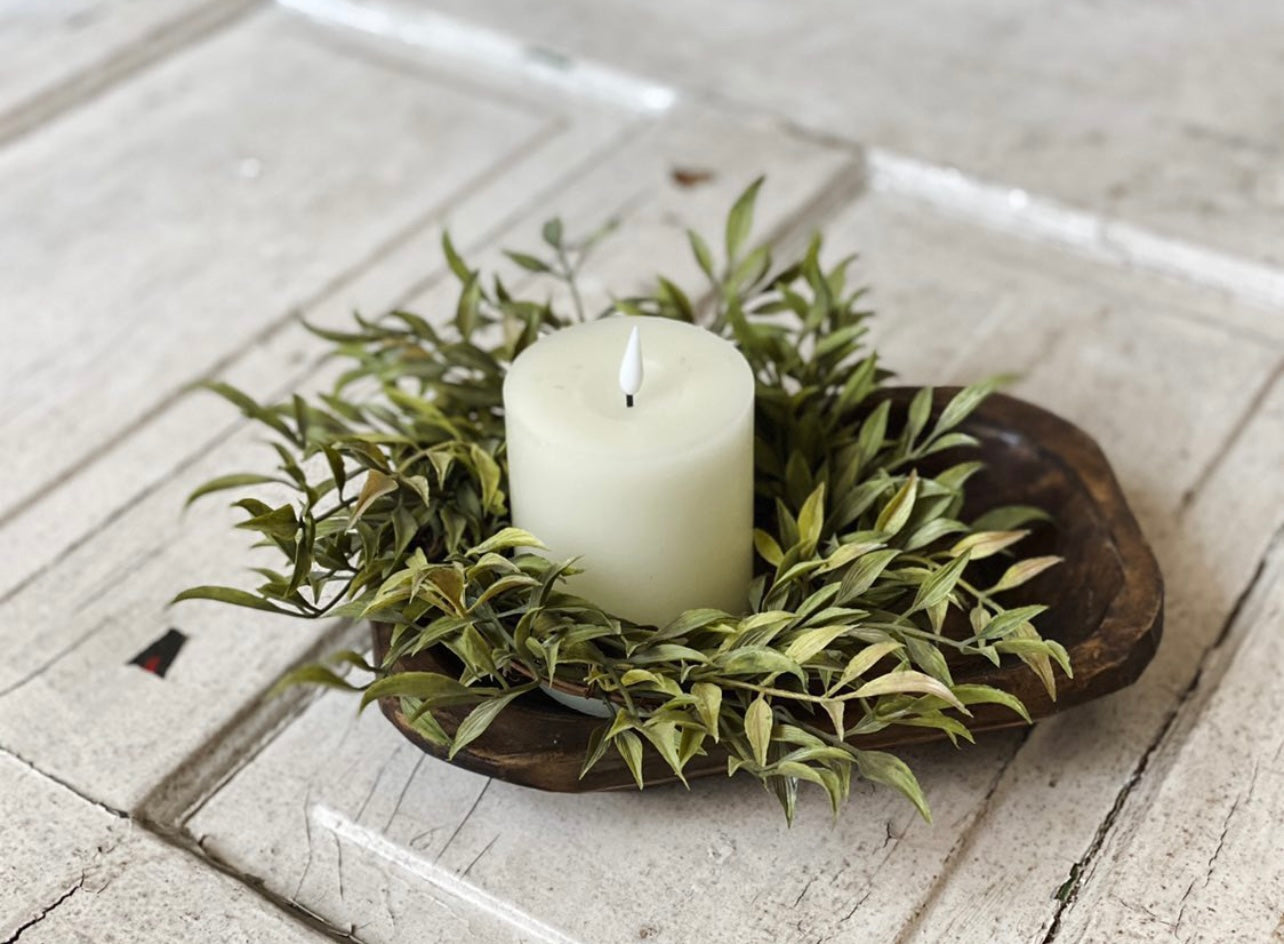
73 871
1207 804
956 304
344 817
1168 117
1072 771
56 53
51 838
187 213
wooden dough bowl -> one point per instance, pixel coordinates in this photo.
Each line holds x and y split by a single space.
1106 609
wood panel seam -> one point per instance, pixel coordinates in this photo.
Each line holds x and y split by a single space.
1237 430
1068 892
142 54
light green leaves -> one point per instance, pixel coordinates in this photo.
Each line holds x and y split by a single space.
865 660
230 595
890 770
1023 571
504 540
907 682
630 748
430 687
398 510
708 702
377 485
897 511
758 729
740 219
810 520
861 575
479 719
937 588
224 482
312 675
983 544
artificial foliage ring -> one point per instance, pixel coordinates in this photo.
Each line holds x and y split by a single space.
870 582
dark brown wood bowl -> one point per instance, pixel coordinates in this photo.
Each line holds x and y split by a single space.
1106 609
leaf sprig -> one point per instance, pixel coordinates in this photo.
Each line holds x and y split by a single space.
866 569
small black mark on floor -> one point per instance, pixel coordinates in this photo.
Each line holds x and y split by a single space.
160 655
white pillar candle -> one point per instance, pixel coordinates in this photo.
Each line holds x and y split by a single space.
655 499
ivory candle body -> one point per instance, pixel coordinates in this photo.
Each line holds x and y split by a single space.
655 499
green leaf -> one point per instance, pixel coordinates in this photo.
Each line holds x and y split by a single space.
759 660
488 475
431 687
630 747
376 486
466 310
812 641
865 660
758 724
1009 518
740 220
811 518
552 232
664 737
689 622
708 699
862 574
597 746
505 539
1005 622
919 410
528 262
988 695
454 260
251 408
984 544
937 588
897 511
889 770
767 547
836 709
1023 571
907 681
479 719
703 257
233 596
847 553
311 675
224 482
966 400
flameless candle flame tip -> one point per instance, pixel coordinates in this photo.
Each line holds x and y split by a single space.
631 367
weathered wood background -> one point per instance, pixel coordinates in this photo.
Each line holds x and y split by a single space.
1090 194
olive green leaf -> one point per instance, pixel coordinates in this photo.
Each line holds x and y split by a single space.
758 729
479 719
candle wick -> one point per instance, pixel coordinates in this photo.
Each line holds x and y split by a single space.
628 399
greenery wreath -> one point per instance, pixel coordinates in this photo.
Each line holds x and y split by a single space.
865 578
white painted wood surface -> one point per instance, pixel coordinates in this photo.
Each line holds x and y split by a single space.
171 191
56 53
1168 115
208 201
71 871
1211 820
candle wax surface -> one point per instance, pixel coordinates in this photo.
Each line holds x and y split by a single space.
655 499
